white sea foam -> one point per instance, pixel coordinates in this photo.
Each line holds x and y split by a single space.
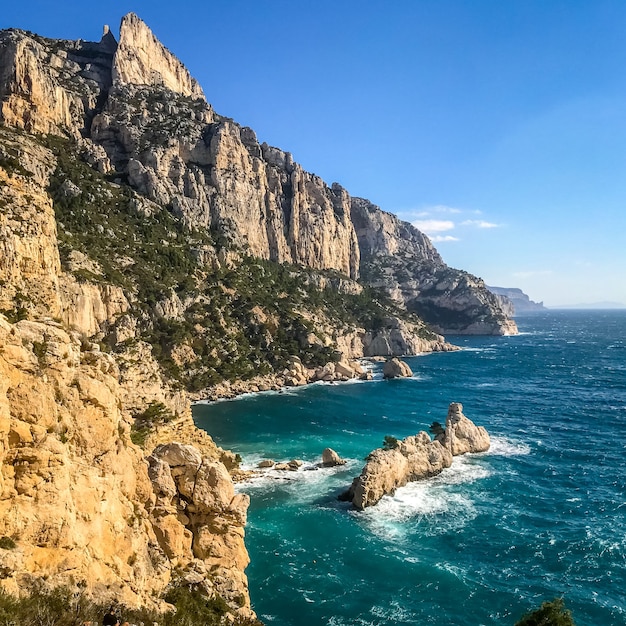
474 349
435 500
502 446
306 481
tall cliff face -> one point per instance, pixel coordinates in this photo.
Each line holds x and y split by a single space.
146 118
399 258
51 86
141 59
80 500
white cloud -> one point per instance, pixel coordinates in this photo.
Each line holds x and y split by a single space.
480 224
440 238
429 211
532 273
441 208
433 226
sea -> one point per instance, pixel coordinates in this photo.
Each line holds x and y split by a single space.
541 515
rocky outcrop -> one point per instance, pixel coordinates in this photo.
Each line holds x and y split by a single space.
75 494
415 458
395 368
48 86
461 434
29 257
199 520
399 259
331 459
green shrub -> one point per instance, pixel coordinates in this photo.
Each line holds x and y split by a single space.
6 543
390 443
551 613
436 429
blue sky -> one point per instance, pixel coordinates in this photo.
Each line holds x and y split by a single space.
498 127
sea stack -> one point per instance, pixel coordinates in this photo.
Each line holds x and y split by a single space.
415 458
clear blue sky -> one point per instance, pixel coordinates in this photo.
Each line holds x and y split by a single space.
499 127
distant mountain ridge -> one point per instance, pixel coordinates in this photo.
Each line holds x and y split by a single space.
514 300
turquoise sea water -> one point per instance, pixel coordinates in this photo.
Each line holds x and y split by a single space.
542 514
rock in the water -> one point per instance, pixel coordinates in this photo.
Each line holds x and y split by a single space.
414 458
395 368
330 458
266 463
462 435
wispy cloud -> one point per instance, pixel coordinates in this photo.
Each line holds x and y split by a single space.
440 209
480 224
440 238
433 226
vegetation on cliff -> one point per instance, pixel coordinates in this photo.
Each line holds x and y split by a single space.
63 607
235 316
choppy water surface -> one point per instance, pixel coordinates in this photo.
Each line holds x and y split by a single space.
542 514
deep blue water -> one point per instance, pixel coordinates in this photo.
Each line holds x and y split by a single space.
541 515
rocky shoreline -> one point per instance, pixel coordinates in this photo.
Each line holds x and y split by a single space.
297 375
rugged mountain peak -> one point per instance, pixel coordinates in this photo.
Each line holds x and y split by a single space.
141 59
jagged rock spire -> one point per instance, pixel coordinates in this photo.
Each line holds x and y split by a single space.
141 59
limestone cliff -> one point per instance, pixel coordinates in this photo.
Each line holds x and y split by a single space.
151 249
399 258
518 301
76 494
142 116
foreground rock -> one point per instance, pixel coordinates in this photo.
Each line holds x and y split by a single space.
395 368
415 458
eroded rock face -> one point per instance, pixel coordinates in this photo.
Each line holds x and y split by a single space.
141 59
331 459
461 434
196 498
398 258
75 495
50 89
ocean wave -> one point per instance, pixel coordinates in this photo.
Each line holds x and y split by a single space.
502 446
307 481
474 349
435 501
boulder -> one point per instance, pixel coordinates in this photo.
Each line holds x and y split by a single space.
331 459
395 368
